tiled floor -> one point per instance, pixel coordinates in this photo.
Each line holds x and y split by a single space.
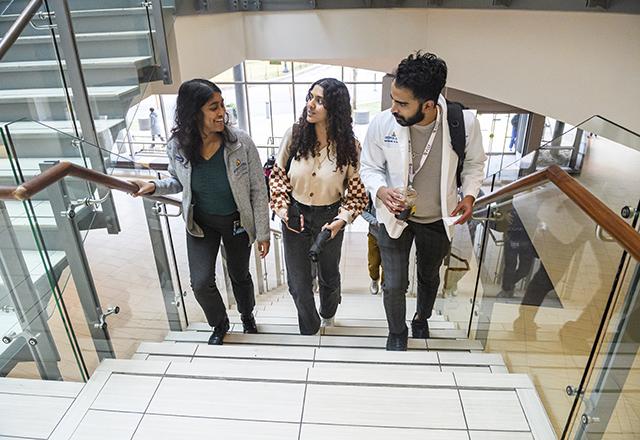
159 400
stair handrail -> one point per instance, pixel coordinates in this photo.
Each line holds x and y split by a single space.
627 237
18 26
62 169
601 214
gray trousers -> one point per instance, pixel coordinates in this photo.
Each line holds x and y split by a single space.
299 268
432 245
202 254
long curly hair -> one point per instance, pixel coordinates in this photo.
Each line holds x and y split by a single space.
192 95
339 126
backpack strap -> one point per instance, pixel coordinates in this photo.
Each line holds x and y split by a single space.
455 119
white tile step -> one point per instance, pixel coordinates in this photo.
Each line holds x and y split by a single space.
360 356
32 387
296 340
339 327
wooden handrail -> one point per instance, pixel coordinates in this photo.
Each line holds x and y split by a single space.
625 235
620 231
63 169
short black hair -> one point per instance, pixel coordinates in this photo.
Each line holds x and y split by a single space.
425 74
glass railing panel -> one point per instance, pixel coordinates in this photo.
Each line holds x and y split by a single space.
116 52
38 339
609 405
603 159
109 271
33 88
546 279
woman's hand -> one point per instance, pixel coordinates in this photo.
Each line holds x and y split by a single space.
263 248
144 187
284 216
335 226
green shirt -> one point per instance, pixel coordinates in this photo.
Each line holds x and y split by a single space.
210 186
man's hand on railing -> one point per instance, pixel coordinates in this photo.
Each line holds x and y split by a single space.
144 187
263 247
465 207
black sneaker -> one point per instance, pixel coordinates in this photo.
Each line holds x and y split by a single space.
219 332
419 329
397 341
248 324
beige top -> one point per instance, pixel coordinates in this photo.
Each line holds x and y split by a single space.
316 181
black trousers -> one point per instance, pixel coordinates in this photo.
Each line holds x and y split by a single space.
519 256
203 253
432 246
299 267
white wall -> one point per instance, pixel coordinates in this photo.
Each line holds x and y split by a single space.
566 65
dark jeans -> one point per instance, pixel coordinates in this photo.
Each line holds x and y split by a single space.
299 276
432 246
203 252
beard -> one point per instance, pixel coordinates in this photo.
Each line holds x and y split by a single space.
411 120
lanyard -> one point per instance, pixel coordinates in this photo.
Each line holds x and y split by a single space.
427 149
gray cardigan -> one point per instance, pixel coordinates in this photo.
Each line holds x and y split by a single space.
246 179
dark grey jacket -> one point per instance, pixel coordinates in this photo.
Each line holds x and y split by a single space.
246 179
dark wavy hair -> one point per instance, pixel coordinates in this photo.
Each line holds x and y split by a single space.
339 125
424 74
192 95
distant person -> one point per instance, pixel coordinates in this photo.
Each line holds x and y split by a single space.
519 253
515 120
315 187
224 199
374 260
155 126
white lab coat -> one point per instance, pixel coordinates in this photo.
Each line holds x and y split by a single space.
385 162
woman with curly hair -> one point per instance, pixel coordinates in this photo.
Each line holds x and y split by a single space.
224 198
315 185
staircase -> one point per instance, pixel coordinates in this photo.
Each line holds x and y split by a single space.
116 52
339 384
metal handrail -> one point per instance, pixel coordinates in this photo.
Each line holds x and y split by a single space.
601 214
18 26
63 169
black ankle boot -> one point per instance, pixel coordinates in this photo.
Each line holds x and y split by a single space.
219 332
397 341
419 328
248 324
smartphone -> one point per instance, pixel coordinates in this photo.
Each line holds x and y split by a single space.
293 214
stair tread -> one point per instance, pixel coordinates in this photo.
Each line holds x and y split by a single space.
88 12
264 370
321 354
86 36
40 387
55 92
47 127
87 62
30 166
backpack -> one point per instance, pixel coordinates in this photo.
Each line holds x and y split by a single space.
455 119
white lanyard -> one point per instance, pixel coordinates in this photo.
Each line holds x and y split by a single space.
427 149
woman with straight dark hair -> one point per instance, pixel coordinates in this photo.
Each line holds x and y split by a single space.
315 187
219 172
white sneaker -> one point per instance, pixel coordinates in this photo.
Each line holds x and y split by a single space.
373 287
327 322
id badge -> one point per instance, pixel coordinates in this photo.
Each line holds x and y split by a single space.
237 228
